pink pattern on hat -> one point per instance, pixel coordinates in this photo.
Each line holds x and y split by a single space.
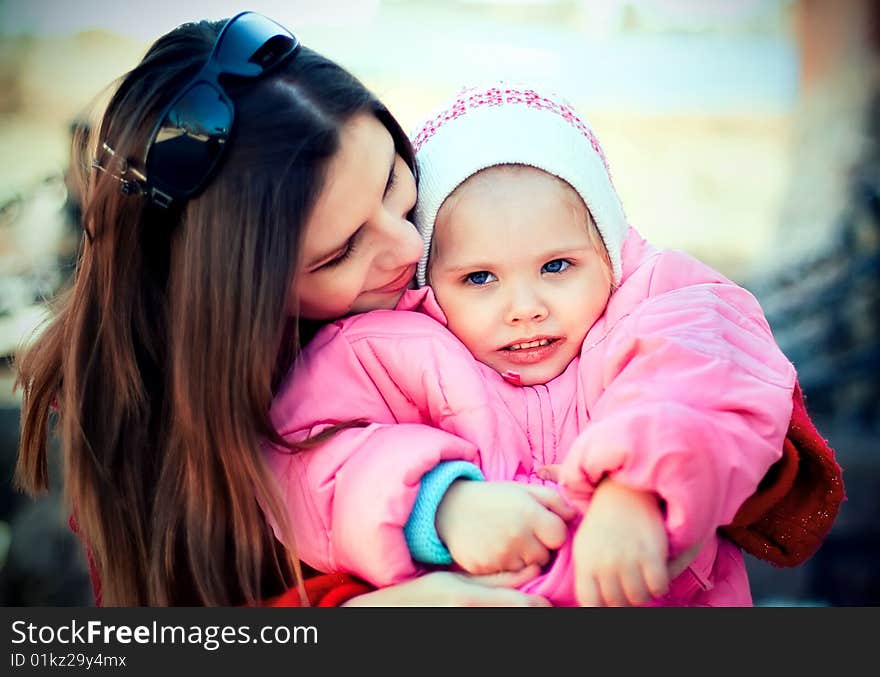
474 98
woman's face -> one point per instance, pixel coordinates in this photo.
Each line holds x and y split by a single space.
359 252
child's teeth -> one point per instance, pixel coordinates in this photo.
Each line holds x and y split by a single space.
530 344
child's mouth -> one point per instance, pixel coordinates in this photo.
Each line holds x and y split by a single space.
530 352
530 344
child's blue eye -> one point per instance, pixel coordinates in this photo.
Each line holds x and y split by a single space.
481 277
555 266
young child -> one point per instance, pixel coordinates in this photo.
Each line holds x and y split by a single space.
551 333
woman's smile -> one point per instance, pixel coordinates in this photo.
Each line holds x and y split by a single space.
398 283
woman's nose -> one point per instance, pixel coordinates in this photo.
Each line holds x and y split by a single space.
400 244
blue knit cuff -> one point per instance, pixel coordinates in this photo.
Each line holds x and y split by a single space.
420 530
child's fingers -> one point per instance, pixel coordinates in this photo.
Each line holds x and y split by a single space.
549 472
634 585
611 591
550 530
512 562
656 576
534 552
551 500
586 591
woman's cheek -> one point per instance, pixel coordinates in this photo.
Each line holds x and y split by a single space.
324 301
341 300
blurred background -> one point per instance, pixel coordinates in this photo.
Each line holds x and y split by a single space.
745 131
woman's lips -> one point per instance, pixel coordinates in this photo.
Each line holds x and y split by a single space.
531 355
399 282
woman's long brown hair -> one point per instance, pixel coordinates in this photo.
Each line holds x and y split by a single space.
159 362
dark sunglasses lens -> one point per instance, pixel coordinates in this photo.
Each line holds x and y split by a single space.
251 44
190 140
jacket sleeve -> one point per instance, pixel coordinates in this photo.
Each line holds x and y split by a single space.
786 520
420 530
321 590
350 496
695 403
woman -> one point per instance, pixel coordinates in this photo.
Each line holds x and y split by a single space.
162 357
245 189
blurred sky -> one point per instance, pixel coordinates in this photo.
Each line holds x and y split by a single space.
684 94
712 55
148 19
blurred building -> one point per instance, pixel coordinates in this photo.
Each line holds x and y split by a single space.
819 281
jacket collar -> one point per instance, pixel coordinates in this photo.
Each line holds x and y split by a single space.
422 300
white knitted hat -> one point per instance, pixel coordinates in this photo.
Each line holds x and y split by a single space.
507 123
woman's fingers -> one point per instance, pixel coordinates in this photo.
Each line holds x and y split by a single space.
505 597
497 589
505 579
445 588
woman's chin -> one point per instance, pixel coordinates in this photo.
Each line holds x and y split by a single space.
376 301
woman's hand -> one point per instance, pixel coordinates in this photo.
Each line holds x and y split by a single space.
444 588
501 526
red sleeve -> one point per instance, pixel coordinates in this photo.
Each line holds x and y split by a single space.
323 590
785 521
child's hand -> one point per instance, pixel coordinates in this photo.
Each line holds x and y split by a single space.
620 548
501 526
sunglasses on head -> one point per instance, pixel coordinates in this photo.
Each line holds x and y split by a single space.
191 135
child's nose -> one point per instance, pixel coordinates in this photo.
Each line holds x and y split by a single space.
526 306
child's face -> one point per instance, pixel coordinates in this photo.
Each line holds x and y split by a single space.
513 263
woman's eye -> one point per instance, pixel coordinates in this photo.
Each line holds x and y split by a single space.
555 266
479 278
392 181
344 254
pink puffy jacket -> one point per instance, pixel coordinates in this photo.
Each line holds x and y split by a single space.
679 389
